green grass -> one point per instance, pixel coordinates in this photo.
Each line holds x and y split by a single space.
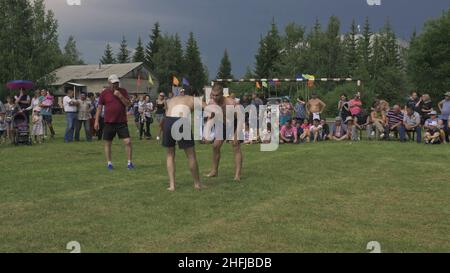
330 197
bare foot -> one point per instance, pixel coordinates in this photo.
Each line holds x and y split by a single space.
200 187
237 179
171 189
211 174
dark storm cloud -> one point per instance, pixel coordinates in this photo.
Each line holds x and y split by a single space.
218 24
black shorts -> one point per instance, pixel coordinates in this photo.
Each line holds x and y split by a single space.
168 141
112 129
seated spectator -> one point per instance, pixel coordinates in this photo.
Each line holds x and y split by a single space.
411 123
394 121
351 129
249 136
425 107
432 134
266 135
316 131
338 130
288 134
325 135
379 121
306 127
431 126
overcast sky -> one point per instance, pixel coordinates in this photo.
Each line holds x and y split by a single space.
218 24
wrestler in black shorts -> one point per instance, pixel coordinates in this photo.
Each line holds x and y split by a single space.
168 141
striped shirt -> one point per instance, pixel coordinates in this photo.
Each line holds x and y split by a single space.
394 118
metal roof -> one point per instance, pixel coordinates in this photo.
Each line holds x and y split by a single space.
88 72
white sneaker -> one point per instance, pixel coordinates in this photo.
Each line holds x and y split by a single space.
157 138
372 134
382 136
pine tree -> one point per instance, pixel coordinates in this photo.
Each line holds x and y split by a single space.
124 54
71 54
108 55
268 53
193 67
225 67
153 46
351 49
333 49
139 53
365 51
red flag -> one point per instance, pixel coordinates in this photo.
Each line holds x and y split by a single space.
139 80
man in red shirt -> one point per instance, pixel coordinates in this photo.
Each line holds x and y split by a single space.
115 102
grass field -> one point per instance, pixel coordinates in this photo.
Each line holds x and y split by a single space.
331 197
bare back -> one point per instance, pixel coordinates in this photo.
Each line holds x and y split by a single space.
180 106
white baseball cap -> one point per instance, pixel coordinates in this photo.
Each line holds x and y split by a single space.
113 79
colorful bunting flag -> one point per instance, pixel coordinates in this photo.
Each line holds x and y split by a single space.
258 86
150 80
185 82
175 81
265 85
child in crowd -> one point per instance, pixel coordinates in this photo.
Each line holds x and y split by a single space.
248 134
38 126
306 131
267 134
316 131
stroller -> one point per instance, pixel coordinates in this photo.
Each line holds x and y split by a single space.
21 129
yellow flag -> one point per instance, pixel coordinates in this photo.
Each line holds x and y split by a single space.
176 82
150 80
258 86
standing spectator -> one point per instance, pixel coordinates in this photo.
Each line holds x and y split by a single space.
256 101
23 101
10 111
46 101
338 130
425 107
160 112
285 111
147 111
288 133
245 101
394 121
84 116
91 99
411 123
343 101
71 110
355 105
315 107
444 107
135 105
300 110
115 101
413 101
378 118
34 101
2 122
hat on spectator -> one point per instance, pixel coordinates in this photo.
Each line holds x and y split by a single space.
433 113
447 94
348 119
113 78
338 119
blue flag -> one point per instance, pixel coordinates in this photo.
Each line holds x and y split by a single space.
185 82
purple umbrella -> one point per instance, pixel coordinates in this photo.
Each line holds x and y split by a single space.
20 84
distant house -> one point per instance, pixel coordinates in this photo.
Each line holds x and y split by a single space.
93 78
